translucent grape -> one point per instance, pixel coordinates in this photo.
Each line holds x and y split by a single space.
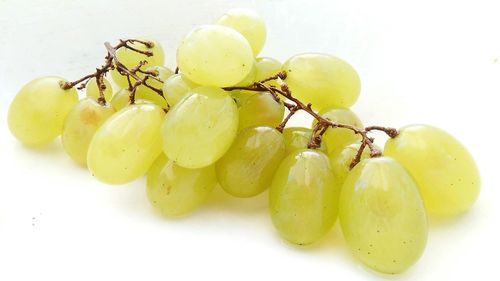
177 87
131 59
249 24
303 198
126 145
36 115
92 89
297 138
146 93
266 67
80 126
176 191
341 159
215 55
444 170
121 99
248 166
200 128
250 78
340 137
382 215
260 109
322 80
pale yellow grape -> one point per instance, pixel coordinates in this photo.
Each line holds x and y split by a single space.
249 24
444 170
92 89
200 128
146 93
240 96
80 126
215 55
177 87
267 67
120 99
303 199
322 80
131 59
383 216
341 159
36 115
340 137
297 138
260 109
250 78
248 167
126 145
176 191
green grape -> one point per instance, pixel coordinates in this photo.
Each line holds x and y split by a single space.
249 24
444 170
248 166
297 138
322 80
146 93
121 99
177 87
176 191
267 67
240 96
340 137
126 145
214 55
341 159
303 199
36 115
200 128
131 58
92 89
382 215
260 109
80 126
250 78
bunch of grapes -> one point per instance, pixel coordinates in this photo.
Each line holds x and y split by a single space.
220 119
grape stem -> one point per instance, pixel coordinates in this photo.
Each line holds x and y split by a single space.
112 62
322 123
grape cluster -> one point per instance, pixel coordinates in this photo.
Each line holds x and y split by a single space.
219 119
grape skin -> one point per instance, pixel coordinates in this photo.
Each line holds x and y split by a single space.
303 198
36 115
249 24
215 55
200 128
176 191
176 87
340 137
445 171
126 145
92 89
382 215
260 109
80 126
248 166
297 138
322 80
341 159
146 93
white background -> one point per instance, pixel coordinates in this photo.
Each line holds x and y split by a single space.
434 62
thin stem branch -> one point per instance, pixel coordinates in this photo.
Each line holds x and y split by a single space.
323 123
